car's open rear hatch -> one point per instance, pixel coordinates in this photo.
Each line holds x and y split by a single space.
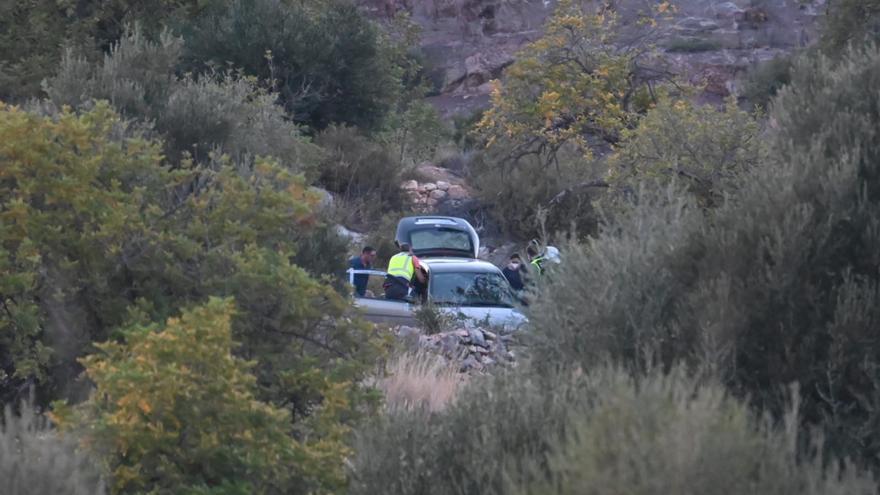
438 236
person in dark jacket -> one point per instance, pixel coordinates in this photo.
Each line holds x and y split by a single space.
513 272
362 262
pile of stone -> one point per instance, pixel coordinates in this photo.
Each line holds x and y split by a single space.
474 349
429 195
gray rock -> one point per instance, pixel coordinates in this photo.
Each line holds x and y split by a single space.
449 344
475 336
471 363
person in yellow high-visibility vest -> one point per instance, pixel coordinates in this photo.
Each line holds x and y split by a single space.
402 267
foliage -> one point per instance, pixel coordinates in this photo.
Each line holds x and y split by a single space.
412 129
765 80
668 434
779 285
217 112
32 33
596 432
570 93
415 135
850 22
495 423
95 227
692 45
174 410
700 146
362 173
582 78
35 460
519 199
324 58
432 320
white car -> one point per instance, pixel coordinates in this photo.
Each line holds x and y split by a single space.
464 287
457 282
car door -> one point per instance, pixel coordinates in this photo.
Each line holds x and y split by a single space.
374 307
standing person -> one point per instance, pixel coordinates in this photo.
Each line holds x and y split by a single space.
402 267
536 260
362 262
513 272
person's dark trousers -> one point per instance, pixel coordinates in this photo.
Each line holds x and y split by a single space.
396 288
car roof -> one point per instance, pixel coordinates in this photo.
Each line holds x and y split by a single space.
445 265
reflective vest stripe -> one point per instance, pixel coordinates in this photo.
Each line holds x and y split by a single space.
400 265
537 262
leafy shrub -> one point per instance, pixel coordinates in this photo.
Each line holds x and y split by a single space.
666 434
95 227
414 135
596 432
780 285
324 57
850 22
706 149
362 173
578 85
226 112
765 80
519 196
35 460
191 419
432 320
33 33
495 423
692 45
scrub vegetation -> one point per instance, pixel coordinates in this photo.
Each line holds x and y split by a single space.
172 316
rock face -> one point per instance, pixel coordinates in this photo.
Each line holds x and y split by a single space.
467 43
439 188
472 348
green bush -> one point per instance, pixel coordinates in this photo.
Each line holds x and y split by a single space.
217 112
34 459
850 22
596 432
324 58
515 193
33 34
94 227
779 285
765 80
702 147
362 174
692 45
491 431
668 434
174 411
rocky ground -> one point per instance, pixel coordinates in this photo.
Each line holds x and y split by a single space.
473 349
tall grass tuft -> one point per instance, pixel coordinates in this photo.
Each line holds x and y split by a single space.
34 460
420 380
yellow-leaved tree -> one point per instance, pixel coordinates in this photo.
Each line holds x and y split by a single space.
174 411
586 77
566 100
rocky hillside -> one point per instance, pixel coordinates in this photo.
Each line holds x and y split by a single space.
467 43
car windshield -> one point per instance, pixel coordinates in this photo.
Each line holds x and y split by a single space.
426 239
471 289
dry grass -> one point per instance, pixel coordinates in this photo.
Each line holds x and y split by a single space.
420 379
